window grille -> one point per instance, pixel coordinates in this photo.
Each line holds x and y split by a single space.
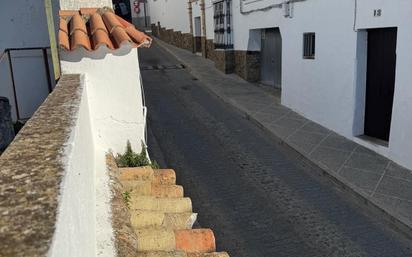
223 24
309 45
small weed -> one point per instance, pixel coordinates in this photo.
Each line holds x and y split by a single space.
127 198
132 159
155 165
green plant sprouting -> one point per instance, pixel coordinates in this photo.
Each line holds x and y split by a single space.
127 198
132 159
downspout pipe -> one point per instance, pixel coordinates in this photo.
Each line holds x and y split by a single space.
190 9
203 11
204 39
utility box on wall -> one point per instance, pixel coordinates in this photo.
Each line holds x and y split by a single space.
6 124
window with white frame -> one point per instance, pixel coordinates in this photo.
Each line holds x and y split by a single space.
223 24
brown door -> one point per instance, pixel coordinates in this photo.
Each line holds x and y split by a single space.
380 85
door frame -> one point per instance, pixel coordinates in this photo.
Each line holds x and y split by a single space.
277 52
361 68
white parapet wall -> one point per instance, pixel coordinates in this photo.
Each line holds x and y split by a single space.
114 92
76 223
111 113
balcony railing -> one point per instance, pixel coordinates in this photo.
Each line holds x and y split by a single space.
6 55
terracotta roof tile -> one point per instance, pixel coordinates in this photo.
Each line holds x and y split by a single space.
91 28
77 23
100 38
96 23
120 36
111 21
124 22
64 40
79 39
66 13
85 11
63 26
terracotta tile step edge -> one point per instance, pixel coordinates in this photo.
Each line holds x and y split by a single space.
181 254
147 188
188 240
155 220
161 218
166 205
157 176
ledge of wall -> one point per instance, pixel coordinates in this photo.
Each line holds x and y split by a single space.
125 238
31 171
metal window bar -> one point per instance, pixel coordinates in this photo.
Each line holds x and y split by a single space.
223 23
309 45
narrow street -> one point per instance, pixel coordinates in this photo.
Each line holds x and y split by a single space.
260 197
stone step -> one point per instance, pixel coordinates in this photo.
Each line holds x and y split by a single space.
215 254
157 176
153 219
180 254
156 240
148 188
195 240
165 176
166 205
162 254
172 191
190 240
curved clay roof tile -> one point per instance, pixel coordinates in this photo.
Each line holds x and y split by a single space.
120 36
64 40
80 39
124 23
103 28
100 38
137 36
77 23
111 21
96 23
63 26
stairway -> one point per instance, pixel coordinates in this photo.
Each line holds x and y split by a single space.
162 217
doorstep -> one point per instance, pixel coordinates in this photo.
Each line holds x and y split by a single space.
377 180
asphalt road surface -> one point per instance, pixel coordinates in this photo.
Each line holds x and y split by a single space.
261 198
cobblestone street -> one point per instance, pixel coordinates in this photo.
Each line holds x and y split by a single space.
260 197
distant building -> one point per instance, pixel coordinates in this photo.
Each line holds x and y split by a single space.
344 64
26 76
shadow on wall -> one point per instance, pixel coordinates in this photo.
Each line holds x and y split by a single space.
6 124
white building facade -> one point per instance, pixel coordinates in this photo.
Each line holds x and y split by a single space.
342 64
26 70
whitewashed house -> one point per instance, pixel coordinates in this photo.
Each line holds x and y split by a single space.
343 64
26 71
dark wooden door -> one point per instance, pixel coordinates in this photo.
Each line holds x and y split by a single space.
380 85
271 56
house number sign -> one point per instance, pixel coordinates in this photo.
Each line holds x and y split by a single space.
377 13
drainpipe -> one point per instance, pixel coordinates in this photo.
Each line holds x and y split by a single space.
52 36
191 23
203 13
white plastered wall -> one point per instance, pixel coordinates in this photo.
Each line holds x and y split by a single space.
76 220
114 100
23 24
330 89
395 14
172 14
115 96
